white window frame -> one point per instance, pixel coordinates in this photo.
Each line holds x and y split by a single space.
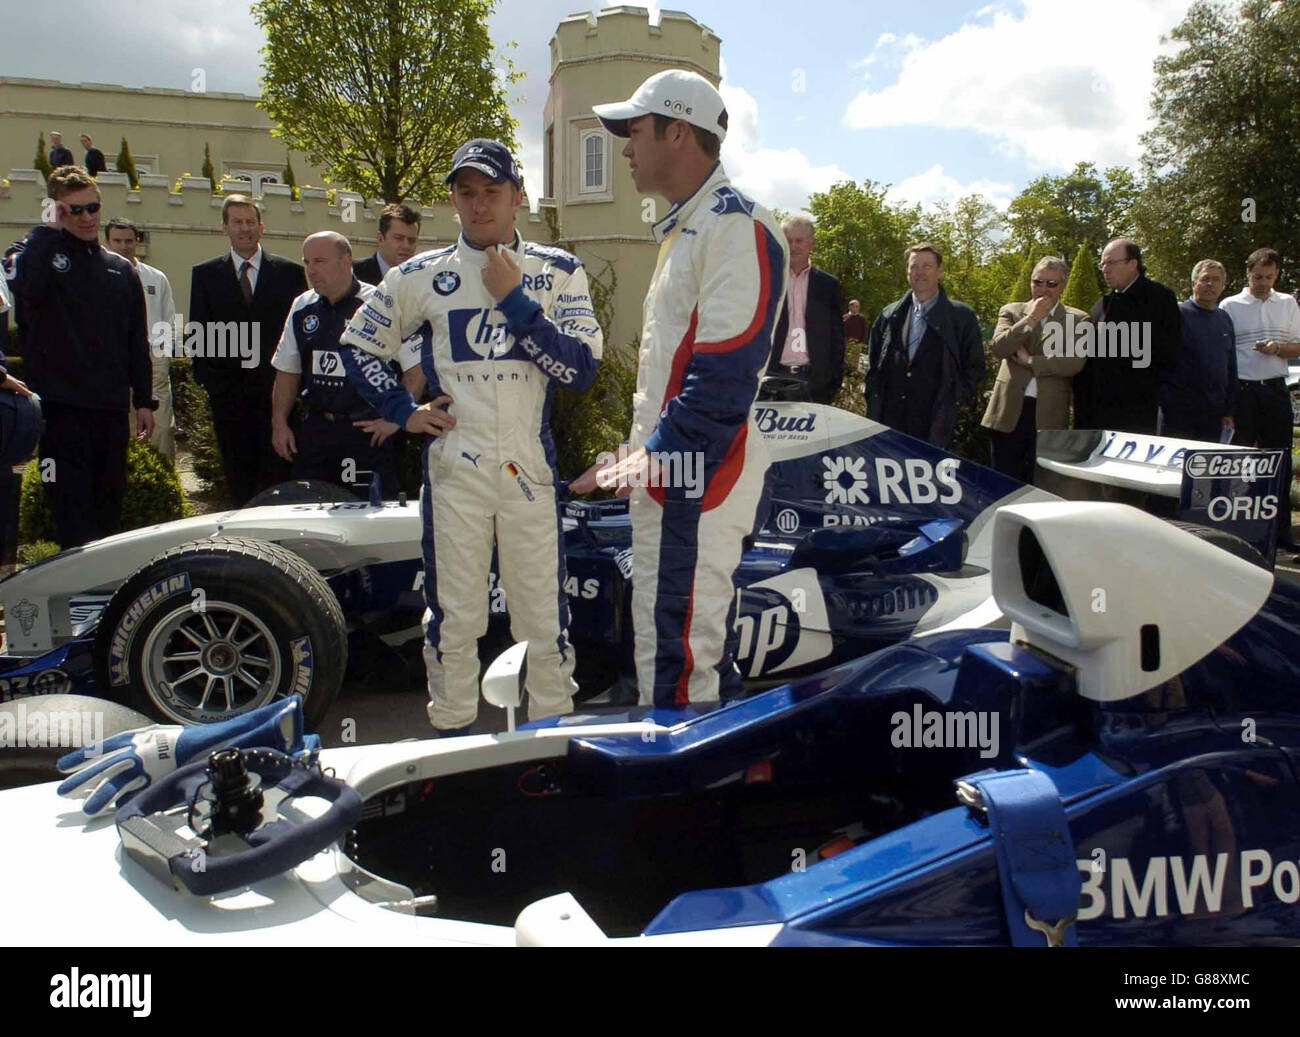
257 177
603 186
583 136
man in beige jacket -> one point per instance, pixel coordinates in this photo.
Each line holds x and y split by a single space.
1032 390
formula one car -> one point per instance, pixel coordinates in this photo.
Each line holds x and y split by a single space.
868 537
1120 767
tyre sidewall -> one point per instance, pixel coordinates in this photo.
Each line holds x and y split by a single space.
156 592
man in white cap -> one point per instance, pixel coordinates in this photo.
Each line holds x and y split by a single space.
713 302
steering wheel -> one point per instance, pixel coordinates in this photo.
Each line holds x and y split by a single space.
157 826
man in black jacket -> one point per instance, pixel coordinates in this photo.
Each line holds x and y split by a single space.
1138 333
925 356
399 232
809 340
60 154
240 301
95 163
86 349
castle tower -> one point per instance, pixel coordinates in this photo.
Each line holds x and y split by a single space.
586 184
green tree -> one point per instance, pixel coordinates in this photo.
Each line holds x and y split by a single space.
584 424
380 93
861 238
289 178
208 170
1082 291
1057 212
967 233
1221 165
1024 291
42 159
126 164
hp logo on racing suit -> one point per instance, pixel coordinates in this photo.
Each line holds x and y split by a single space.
474 336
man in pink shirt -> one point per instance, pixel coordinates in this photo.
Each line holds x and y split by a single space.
808 343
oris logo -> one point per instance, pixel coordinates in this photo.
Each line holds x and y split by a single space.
677 107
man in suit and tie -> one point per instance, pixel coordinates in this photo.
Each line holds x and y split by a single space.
241 299
399 230
1032 390
925 357
808 343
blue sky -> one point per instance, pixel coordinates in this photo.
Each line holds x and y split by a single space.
938 99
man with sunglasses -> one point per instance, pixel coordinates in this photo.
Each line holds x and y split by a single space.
86 348
1032 390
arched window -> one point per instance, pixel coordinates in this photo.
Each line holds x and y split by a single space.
593 162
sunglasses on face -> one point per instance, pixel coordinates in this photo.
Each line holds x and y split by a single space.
91 207
1038 282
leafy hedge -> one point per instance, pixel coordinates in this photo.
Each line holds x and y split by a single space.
588 423
194 424
970 439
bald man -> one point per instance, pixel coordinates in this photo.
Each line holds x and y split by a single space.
342 439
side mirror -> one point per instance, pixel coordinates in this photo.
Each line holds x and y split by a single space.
503 683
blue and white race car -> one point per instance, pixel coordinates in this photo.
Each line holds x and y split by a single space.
1118 767
869 537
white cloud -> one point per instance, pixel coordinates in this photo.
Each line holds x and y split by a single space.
934 185
890 49
1050 85
780 179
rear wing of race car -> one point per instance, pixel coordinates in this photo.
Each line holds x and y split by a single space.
1233 489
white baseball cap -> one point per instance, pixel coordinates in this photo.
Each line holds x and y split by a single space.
675 93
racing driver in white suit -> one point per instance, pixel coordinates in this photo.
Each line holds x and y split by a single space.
503 322
714 297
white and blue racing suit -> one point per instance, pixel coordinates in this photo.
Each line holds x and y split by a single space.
713 302
491 477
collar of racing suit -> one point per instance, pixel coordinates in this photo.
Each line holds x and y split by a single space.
681 212
471 254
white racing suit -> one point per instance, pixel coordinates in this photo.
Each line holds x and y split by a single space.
492 476
713 301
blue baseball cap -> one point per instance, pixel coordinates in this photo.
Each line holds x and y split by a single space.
489 157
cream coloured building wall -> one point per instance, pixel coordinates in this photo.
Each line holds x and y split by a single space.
166 129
